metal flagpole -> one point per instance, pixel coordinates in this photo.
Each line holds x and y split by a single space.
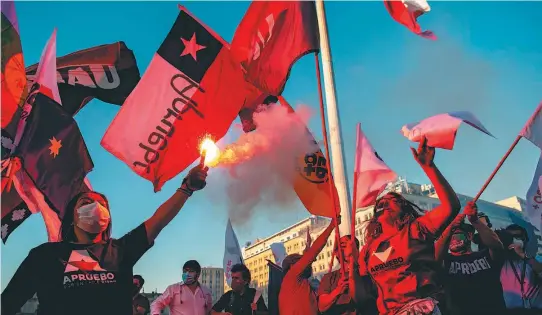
339 173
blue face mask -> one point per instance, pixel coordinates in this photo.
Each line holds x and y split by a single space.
189 277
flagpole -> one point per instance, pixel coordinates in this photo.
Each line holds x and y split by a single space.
354 198
497 168
334 124
331 179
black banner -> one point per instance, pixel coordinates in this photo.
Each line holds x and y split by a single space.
106 72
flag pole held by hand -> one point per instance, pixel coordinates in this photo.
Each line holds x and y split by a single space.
202 158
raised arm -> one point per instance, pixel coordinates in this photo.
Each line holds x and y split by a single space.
195 180
487 236
443 243
328 297
310 255
437 219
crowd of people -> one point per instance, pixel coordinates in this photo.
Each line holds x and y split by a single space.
412 262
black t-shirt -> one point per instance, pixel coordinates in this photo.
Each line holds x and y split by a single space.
237 304
473 284
78 279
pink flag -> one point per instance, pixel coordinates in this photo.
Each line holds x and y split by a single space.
45 82
407 12
371 174
440 130
533 129
533 209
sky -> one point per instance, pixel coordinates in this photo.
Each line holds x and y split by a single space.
487 60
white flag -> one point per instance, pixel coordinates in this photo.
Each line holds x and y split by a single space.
533 129
440 130
279 253
534 198
232 252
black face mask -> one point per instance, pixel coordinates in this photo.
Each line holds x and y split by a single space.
135 289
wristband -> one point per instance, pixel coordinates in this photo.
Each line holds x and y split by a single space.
185 189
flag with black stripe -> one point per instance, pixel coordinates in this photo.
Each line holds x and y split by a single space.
192 89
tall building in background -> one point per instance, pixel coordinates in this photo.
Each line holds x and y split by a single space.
256 254
213 278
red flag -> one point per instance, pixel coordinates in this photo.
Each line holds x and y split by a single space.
192 89
271 37
13 76
407 13
370 172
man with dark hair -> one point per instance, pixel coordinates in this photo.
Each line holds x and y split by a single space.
348 293
296 295
140 304
472 281
521 274
186 297
240 300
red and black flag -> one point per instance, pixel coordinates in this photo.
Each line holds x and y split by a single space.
192 89
13 218
106 72
53 153
272 36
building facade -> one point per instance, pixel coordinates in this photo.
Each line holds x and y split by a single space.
213 278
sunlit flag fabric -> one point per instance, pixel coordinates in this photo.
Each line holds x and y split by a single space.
232 252
272 36
53 153
440 130
407 12
533 129
192 89
370 172
106 72
273 288
534 198
13 78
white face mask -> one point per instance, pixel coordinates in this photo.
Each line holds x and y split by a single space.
93 218
518 242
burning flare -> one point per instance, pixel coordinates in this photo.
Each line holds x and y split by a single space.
210 152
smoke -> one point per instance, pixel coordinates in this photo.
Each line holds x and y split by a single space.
259 168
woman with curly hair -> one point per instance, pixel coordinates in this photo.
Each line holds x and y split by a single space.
399 252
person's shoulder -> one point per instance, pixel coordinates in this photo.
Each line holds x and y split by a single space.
48 248
227 294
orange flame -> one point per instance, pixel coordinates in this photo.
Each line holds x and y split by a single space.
211 151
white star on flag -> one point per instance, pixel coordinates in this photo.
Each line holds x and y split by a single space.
191 47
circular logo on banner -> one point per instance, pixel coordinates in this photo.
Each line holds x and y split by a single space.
313 167
15 77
